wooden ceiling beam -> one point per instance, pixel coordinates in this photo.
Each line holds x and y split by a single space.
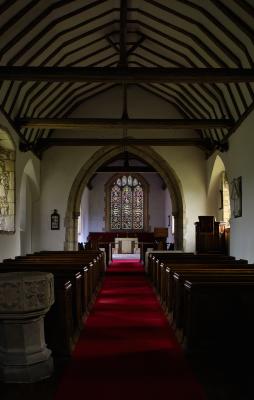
45 143
130 168
89 123
126 75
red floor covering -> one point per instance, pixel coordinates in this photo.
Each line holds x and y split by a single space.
127 349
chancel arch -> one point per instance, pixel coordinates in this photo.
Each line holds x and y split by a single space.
89 169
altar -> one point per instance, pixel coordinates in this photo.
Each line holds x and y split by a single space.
126 246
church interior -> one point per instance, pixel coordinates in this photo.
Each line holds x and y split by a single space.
126 199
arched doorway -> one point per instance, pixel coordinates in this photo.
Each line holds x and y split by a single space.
99 158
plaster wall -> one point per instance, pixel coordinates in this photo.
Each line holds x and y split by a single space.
190 167
239 162
10 243
84 216
60 166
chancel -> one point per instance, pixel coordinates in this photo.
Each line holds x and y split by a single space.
126 199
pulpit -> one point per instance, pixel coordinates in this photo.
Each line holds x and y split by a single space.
210 235
160 235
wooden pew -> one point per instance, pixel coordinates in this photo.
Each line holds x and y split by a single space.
66 266
184 258
217 274
218 314
91 264
72 269
91 275
162 284
168 293
90 255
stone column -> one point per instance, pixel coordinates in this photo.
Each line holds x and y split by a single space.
25 298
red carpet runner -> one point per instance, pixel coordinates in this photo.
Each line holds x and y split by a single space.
127 349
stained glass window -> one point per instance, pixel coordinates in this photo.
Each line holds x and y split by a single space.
116 199
127 204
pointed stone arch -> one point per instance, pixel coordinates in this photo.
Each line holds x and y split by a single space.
218 191
103 155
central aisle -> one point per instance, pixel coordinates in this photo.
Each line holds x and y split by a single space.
127 349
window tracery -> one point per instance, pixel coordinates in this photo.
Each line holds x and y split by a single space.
127 203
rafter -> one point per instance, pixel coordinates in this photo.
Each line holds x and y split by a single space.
82 123
123 33
127 75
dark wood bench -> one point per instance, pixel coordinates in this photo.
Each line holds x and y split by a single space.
168 289
93 272
70 272
166 258
217 274
218 315
162 283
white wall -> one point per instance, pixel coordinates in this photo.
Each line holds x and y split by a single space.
84 216
59 168
26 216
10 243
189 166
168 216
239 162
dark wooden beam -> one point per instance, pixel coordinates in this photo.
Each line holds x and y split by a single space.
126 75
126 169
43 144
83 123
7 121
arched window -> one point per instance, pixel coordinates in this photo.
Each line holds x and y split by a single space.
127 208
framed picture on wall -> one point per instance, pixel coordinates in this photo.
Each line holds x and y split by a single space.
236 197
55 220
